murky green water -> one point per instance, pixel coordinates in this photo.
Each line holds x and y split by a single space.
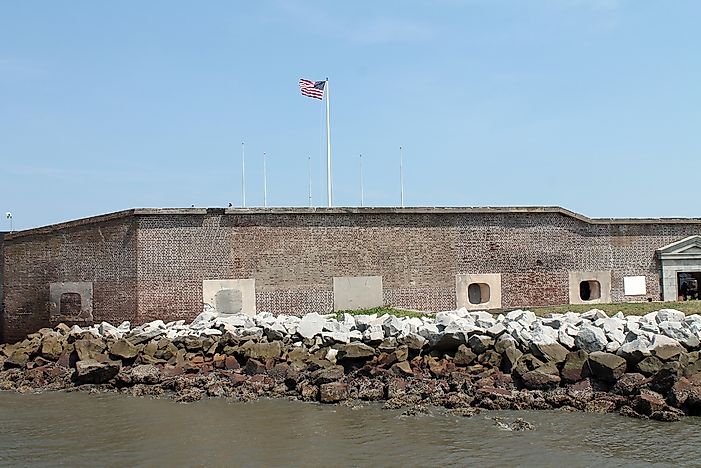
72 429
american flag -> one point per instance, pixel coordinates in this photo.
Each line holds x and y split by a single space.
312 89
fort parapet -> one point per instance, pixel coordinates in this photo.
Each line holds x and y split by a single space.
146 264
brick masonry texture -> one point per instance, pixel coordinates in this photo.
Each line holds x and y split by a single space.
150 264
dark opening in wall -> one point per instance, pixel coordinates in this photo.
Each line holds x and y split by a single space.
589 290
478 293
71 304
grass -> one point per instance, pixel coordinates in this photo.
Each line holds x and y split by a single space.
382 310
628 308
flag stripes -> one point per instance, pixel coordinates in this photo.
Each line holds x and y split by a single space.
312 89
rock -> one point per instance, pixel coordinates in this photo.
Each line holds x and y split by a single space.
544 377
665 348
496 330
600 406
17 358
629 384
663 380
402 368
413 341
89 348
464 356
650 365
262 351
480 343
333 392
575 367
590 339
669 315
147 374
123 349
635 351
311 325
550 352
90 371
509 359
606 366
51 347
649 402
566 339
327 374
354 351
189 395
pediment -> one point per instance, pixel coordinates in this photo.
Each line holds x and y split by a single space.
687 248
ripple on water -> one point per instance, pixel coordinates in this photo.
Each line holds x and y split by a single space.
85 430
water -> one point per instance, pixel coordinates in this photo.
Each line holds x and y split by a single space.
75 429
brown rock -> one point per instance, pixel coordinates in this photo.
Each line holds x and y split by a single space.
650 365
89 348
89 371
464 356
309 392
600 406
629 384
402 368
649 402
123 349
575 367
51 347
333 392
551 352
543 378
230 363
606 366
254 367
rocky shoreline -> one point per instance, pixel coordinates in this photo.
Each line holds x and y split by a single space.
644 367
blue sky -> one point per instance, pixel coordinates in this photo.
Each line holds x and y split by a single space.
593 105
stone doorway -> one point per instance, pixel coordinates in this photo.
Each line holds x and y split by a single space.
681 269
688 284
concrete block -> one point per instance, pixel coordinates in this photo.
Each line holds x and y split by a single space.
478 291
600 286
357 292
70 302
634 286
230 296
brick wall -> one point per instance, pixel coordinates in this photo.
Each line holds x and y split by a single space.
150 264
102 253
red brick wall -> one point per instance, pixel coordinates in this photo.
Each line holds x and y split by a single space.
101 253
294 257
149 266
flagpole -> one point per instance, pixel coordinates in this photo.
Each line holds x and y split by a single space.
328 145
361 180
309 163
265 183
401 177
243 174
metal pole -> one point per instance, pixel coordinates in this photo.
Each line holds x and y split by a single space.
265 183
328 145
309 161
401 177
243 174
361 181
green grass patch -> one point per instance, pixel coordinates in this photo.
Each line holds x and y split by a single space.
628 308
381 311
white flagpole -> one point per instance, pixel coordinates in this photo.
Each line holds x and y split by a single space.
401 177
265 183
309 161
243 174
328 145
361 180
